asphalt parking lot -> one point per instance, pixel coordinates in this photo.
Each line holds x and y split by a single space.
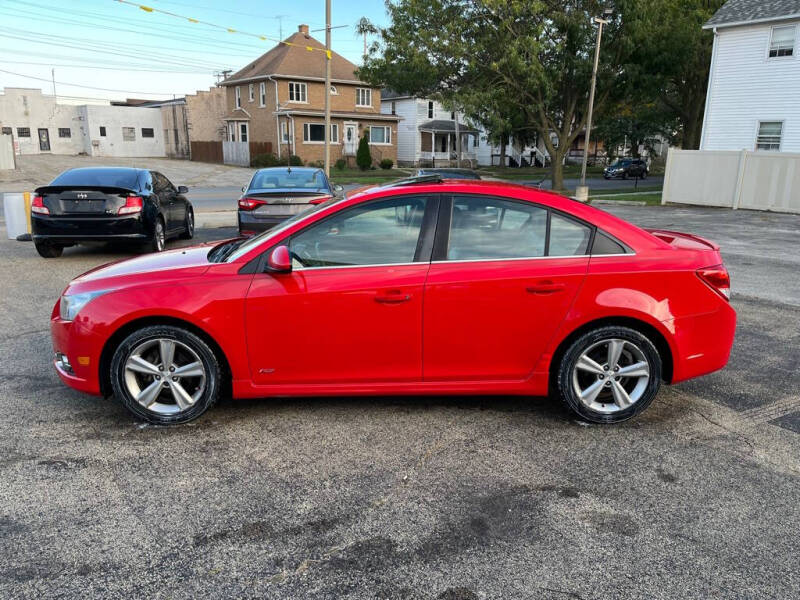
434 498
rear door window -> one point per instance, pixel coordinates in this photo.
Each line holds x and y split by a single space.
568 237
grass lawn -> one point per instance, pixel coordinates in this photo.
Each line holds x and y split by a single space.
651 199
345 176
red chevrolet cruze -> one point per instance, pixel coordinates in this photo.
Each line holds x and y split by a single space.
422 287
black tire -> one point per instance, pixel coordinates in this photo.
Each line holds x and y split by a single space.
158 241
188 225
569 375
644 174
161 413
624 174
48 250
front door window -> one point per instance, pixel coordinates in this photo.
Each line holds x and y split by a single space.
44 140
384 232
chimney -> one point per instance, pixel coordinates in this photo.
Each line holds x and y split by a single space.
303 29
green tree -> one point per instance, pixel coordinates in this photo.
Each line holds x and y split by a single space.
363 155
669 65
532 57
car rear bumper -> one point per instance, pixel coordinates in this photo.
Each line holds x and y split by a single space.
250 222
85 229
703 342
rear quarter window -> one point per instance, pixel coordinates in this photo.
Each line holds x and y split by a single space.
604 244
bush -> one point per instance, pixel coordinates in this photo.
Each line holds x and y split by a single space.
261 161
386 163
340 164
363 155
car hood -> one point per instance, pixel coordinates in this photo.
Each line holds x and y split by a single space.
148 268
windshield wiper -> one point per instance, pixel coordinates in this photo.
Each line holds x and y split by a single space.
224 250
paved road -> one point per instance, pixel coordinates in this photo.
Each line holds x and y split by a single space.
598 183
434 498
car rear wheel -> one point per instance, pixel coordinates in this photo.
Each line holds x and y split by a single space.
165 375
159 239
48 250
609 374
188 226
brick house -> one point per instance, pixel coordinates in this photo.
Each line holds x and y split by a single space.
279 98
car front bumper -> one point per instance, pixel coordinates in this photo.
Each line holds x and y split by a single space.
81 349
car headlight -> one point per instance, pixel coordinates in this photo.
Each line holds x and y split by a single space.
72 304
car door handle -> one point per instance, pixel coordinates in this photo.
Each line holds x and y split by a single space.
394 297
546 287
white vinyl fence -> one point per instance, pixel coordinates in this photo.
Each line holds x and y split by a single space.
733 179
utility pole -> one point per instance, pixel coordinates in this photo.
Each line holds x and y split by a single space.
53 74
327 88
582 192
458 137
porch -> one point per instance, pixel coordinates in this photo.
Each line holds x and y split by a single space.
438 145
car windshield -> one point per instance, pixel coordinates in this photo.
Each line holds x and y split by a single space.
286 179
120 178
620 163
230 251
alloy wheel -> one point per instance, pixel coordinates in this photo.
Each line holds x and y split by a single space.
611 376
160 236
164 376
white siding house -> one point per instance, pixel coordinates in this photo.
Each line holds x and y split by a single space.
753 100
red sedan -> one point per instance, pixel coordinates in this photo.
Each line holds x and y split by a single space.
424 287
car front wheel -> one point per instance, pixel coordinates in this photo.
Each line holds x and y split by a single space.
165 375
158 241
609 374
188 226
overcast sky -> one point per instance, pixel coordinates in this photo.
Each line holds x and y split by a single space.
114 46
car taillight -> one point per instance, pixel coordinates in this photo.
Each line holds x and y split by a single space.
133 205
717 279
247 203
38 207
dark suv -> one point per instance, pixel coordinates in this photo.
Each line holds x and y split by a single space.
626 167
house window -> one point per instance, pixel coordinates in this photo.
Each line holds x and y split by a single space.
782 42
285 132
102 132
334 133
452 116
231 132
475 141
363 97
297 92
148 132
129 134
769 136
430 109
242 132
238 97
380 135
64 132
394 108
334 91
6 130
262 93
251 93
23 132
313 133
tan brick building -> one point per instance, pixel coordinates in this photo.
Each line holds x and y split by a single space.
279 98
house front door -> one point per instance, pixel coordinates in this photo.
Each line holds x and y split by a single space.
44 140
350 138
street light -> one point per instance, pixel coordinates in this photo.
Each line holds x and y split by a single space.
583 192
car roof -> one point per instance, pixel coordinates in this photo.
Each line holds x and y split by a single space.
104 169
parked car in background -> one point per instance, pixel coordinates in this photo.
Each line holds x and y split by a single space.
277 193
427 287
448 172
109 204
625 168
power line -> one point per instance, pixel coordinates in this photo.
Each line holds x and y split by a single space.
89 87
118 68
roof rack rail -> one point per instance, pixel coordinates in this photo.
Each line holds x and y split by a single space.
416 180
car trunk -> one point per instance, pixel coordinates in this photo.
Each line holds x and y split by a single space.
84 202
285 203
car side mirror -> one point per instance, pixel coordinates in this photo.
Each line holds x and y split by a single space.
279 260
244 188
338 189
182 189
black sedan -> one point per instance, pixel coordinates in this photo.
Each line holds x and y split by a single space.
108 204
625 168
277 193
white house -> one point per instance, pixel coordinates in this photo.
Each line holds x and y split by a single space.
39 124
753 100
